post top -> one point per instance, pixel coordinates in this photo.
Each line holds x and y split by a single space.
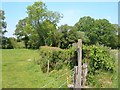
79 43
79 40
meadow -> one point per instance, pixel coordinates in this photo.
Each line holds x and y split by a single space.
19 70
26 63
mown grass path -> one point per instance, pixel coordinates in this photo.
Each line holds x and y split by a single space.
20 71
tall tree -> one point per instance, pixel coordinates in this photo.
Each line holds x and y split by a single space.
106 33
69 35
23 31
117 26
39 28
38 14
119 37
86 24
98 31
64 30
51 34
3 30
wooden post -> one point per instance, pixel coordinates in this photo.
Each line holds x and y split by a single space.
48 67
75 76
79 63
85 70
78 69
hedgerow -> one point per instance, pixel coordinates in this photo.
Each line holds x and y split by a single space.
98 58
57 57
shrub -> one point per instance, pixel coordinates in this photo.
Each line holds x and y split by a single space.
20 45
13 44
99 58
57 57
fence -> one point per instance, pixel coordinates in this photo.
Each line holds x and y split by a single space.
65 82
79 72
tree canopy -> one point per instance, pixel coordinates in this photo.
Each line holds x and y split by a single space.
99 31
3 26
40 28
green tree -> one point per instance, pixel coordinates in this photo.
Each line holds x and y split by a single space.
69 35
12 43
119 37
39 15
3 30
39 28
118 34
23 30
99 31
85 24
51 34
106 33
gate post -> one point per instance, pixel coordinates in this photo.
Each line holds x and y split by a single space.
78 69
75 76
79 50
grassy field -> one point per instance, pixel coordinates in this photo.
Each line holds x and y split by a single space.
19 70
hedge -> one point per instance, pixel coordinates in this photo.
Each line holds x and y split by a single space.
98 58
57 57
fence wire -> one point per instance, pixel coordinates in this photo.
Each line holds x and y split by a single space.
65 82
57 78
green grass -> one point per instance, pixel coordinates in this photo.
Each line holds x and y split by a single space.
105 80
116 75
19 72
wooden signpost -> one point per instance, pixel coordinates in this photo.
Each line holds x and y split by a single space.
80 71
79 50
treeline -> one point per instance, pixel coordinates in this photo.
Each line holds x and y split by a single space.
40 28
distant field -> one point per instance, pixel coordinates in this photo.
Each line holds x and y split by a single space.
20 71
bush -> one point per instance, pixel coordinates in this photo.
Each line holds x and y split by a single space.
99 58
57 57
13 44
20 45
